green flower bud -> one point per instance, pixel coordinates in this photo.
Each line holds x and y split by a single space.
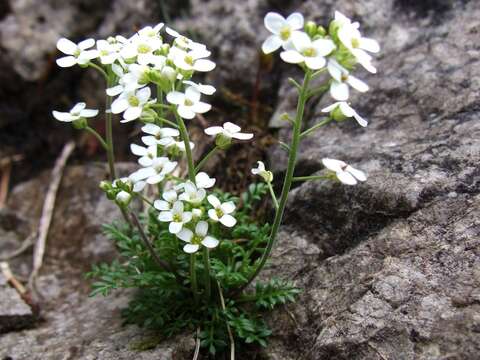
105 185
337 114
168 73
285 117
222 141
148 115
333 30
321 31
311 28
165 49
80 124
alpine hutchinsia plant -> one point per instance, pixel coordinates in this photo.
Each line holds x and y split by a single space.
195 251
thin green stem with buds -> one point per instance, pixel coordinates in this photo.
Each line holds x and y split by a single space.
302 99
205 159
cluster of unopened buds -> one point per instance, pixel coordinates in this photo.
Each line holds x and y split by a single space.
146 63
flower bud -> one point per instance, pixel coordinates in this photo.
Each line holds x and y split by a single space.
321 30
123 198
148 115
333 30
285 117
197 213
169 73
222 141
165 49
105 185
337 114
311 28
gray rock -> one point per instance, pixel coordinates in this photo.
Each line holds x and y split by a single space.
14 313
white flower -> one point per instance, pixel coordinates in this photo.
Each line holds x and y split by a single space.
169 198
202 88
221 212
188 103
282 30
228 130
176 217
346 110
148 31
158 135
142 48
203 181
147 154
77 112
344 172
192 193
107 51
182 41
77 54
199 237
134 78
260 170
341 79
191 60
352 39
156 172
131 103
305 50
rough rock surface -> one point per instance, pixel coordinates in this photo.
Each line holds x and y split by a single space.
75 326
14 313
390 268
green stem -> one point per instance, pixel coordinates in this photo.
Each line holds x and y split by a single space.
186 141
193 278
313 177
302 99
315 127
109 132
272 193
97 135
205 159
100 70
166 121
206 262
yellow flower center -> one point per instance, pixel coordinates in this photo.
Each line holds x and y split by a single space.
219 212
196 240
189 60
355 43
133 101
103 53
309 52
143 49
77 53
177 218
344 77
285 33
188 102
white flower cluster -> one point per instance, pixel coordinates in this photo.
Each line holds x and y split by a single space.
338 51
135 68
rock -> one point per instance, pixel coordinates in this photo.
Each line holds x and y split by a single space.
14 313
75 325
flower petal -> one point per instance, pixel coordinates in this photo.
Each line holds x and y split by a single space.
132 113
274 22
295 21
62 116
201 229
346 178
185 235
271 44
333 164
119 105
210 242
358 174
357 84
228 207
191 248
176 97
66 46
315 63
292 57
339 91
88 113
231 127
242 136
67 61
186 112
201 107
213 200
161 205
175 227
204 65
213 130
85 44
228 220
212 214
370 45
165 216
